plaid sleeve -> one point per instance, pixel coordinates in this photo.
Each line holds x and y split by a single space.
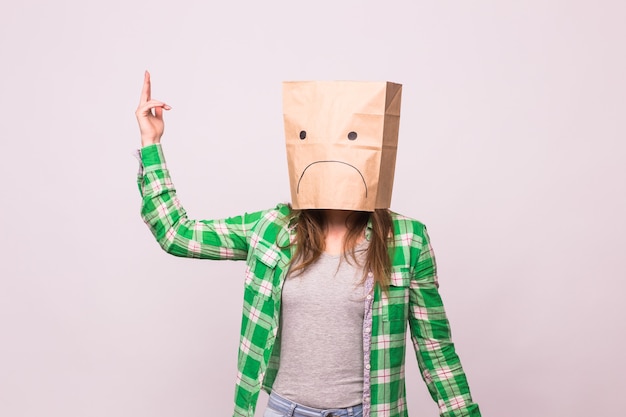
178 235
430 332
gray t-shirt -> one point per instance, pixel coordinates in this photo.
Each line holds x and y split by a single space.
321 356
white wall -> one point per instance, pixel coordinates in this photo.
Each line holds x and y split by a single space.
511 151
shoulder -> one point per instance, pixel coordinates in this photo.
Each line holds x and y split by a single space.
411 243
408 227
270 223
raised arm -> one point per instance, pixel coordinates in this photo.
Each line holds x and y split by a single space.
176 233
161 209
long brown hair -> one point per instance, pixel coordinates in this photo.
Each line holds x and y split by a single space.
311 234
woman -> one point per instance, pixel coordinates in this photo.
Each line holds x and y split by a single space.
328 297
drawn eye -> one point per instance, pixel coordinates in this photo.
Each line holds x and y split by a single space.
352 135
302 135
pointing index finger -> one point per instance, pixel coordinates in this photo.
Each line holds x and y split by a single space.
146 90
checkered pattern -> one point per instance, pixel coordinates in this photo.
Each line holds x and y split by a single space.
262 239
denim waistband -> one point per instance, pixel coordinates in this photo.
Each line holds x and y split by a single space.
292 409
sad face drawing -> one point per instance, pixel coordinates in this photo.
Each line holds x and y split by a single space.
341 139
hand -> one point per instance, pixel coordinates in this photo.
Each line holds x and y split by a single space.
150 124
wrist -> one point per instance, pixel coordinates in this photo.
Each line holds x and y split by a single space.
149 141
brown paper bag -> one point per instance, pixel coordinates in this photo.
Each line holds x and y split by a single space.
342 138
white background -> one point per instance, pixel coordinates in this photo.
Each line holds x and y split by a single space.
511 152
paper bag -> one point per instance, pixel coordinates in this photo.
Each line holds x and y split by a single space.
341 138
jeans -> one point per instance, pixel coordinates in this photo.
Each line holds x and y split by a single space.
278 406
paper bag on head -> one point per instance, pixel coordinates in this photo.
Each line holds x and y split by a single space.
342 138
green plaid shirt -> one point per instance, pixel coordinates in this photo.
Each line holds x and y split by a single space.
262 240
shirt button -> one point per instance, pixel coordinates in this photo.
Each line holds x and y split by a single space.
369 297
367 366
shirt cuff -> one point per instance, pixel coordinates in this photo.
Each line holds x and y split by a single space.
152 158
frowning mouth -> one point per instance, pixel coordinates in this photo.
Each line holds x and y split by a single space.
338 162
